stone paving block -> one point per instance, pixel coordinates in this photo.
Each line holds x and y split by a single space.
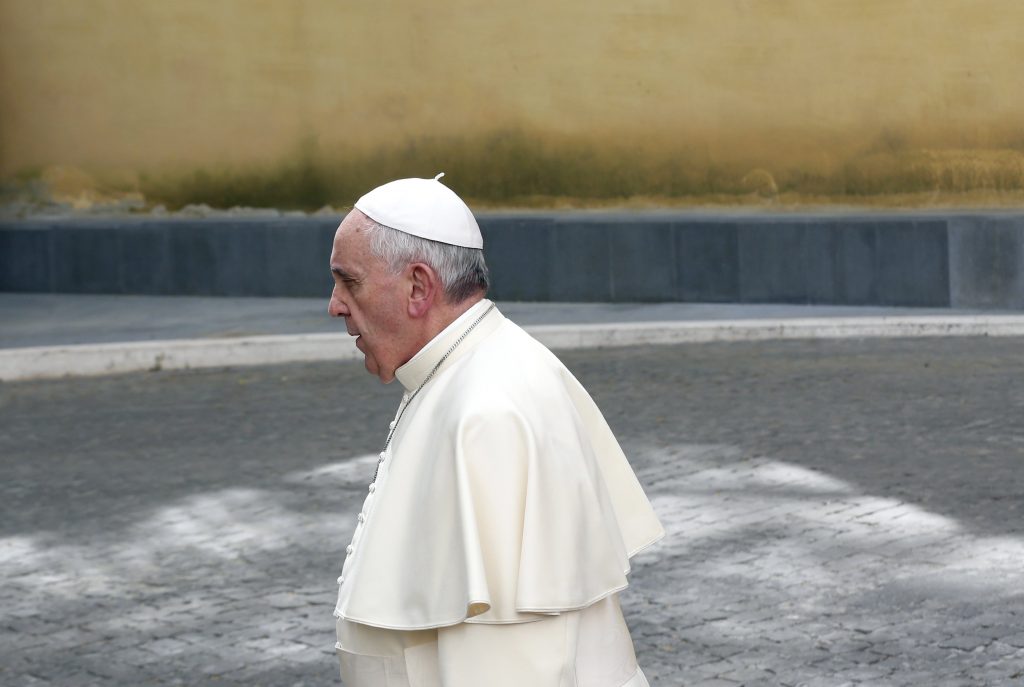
222 666
823 682
135 655
1015 640
745 675
256 672
81 679
167 647
110 670
22 642
964 642
953 681
283 600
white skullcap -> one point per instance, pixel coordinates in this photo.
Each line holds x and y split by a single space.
425 208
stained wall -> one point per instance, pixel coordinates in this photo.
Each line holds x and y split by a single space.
521 100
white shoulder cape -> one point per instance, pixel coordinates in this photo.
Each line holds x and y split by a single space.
506 495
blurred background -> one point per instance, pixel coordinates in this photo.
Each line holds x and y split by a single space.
307 103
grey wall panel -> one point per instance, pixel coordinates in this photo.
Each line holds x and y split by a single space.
784 263
768 263
194 259
818 262
580 261
297 258
642 261
242 260
519 257
707 261
25 259
147 265
86 259
220 258
913 263
987 262
856 257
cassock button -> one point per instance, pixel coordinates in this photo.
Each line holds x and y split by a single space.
392 425
381 460
341 579
349 549
373 488
361 518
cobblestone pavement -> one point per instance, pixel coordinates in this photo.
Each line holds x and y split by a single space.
838 513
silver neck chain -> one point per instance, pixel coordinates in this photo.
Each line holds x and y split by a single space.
430 375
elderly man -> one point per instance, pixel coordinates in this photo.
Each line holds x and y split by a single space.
499 523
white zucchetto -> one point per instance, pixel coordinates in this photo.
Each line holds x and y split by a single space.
425 208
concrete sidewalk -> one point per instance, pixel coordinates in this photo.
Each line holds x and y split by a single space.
48 335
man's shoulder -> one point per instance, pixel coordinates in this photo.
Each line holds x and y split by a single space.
510 364
512 351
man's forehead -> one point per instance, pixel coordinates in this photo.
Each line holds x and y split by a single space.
346 232
347 253
347 226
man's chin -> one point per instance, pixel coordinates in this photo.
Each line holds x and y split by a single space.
374 368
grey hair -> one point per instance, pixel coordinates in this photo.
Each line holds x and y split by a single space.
462 271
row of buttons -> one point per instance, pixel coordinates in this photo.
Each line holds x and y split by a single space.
361 517
350 549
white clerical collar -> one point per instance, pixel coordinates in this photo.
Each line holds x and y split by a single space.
412 373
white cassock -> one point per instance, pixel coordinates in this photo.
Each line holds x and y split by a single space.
491 548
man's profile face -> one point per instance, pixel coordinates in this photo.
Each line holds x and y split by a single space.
370 298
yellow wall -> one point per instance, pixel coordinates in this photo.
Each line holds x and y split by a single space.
770 95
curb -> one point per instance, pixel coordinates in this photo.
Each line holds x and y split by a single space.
85 360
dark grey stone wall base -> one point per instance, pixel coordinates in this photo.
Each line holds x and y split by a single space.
960 260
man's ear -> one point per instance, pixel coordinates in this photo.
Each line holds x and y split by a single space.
424 288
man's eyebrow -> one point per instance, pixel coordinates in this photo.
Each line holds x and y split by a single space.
346 276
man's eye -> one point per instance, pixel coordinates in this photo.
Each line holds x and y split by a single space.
346 280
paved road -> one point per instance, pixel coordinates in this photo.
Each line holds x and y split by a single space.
839 513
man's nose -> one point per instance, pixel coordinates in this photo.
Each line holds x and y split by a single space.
335 308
